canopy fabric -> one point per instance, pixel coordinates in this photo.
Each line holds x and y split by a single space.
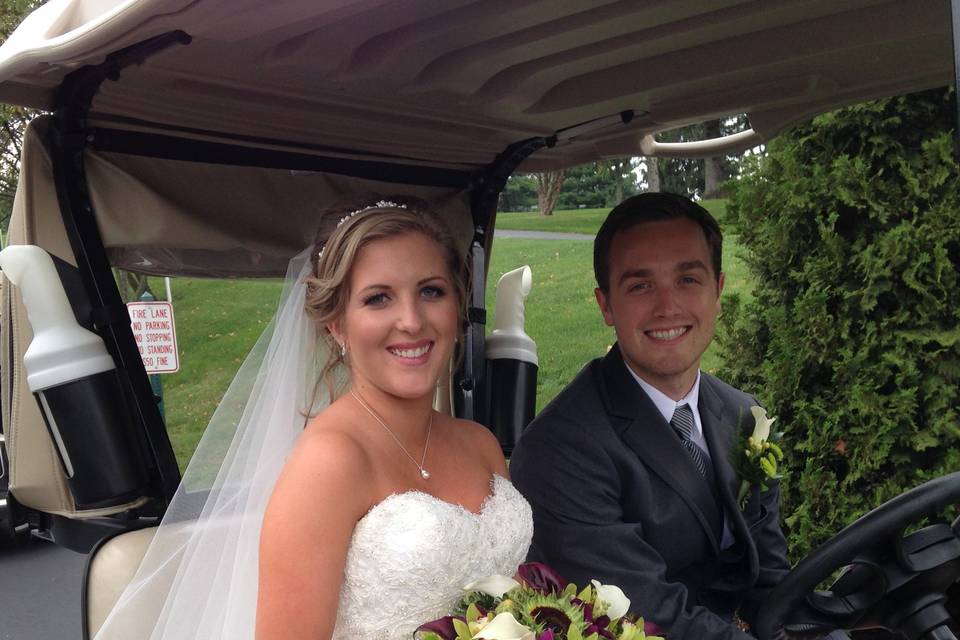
162 217
453 83
173 217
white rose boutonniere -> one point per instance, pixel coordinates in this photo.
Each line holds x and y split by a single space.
756 457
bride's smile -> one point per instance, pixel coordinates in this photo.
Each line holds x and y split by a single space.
415 353
401 316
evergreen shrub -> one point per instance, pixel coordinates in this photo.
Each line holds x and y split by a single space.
852 228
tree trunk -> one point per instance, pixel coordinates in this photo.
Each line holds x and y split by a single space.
713 178
713 175
549 184
618 169
132 285
652 174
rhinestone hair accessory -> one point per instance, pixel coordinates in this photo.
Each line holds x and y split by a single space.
380 204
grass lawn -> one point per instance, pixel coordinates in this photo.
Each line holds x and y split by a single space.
218 321
578 220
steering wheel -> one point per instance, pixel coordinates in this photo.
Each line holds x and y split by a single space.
889 580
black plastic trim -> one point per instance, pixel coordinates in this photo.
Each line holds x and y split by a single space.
169 147
469 397
68 138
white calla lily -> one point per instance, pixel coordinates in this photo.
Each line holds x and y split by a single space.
761 424
618 604
504 627
495 585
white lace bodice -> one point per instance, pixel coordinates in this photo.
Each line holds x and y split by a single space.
412 554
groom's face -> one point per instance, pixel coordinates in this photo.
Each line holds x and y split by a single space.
662 299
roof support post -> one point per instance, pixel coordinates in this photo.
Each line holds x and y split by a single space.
69 137
469 392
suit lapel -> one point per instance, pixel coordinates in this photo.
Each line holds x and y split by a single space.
650 437
719 424
718 430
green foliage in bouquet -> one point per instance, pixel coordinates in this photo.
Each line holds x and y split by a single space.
543 606
852 227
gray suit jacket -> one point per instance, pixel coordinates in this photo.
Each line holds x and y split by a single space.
616 497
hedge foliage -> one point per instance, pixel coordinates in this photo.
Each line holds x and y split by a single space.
852 224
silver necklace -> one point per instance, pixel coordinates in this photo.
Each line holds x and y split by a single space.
423 472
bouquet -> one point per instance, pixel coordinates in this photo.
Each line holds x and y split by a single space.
542 606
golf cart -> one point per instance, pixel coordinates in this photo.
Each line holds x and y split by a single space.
197 137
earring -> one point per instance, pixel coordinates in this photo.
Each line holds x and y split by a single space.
343 350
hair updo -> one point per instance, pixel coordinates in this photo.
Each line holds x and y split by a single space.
344 231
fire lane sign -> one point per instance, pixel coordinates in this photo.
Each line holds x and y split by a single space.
156 335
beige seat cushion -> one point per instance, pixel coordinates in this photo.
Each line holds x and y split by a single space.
112 567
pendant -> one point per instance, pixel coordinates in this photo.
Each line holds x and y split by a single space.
424 473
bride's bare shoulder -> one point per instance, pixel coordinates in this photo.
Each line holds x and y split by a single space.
477 438
328 458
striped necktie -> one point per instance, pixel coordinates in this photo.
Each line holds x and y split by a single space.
682 423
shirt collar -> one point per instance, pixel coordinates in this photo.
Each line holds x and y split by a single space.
667 405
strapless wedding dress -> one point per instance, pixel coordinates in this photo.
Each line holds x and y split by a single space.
412 554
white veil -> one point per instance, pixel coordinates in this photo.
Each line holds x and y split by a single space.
199 577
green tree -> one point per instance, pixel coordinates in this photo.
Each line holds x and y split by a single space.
598 184
682 175
852 223
619 171
13 120
700 176
12 13
585 187
519 194
650 174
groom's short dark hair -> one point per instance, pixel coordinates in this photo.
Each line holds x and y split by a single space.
652 207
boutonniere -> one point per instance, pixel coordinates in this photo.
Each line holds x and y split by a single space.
756 457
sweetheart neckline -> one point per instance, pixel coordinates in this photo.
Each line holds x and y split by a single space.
494 478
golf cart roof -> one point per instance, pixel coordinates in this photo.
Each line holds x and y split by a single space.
452 83
420 97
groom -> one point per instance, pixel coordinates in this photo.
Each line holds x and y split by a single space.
627 469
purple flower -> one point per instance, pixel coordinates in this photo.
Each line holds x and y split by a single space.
546 634
442 627
586 607
652 628
600 630
551 618
541 578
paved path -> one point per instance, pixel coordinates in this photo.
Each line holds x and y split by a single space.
40 592
541 235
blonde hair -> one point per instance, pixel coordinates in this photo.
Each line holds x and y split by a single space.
335 249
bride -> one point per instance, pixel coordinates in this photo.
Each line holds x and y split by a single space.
406 504
349 509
